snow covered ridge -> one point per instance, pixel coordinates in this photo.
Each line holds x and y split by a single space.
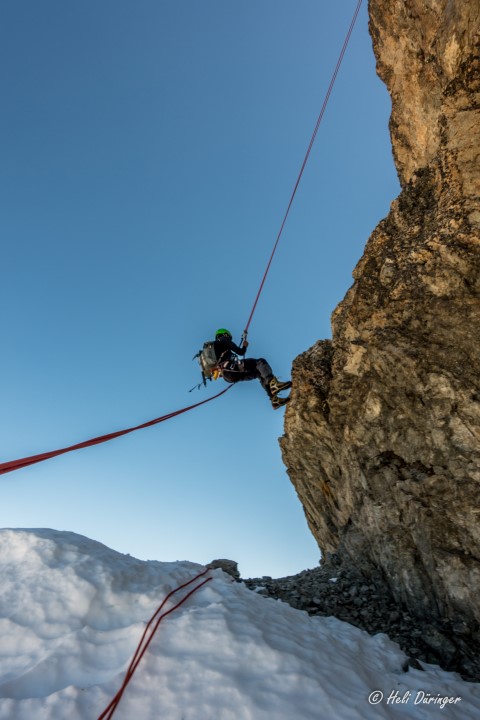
72 612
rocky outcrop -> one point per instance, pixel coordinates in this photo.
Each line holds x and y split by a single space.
337 589
382 434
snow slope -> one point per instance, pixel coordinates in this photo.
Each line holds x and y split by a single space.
72 612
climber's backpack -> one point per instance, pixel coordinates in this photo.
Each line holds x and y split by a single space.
207 360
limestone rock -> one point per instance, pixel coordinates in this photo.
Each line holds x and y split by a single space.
382 434
228 566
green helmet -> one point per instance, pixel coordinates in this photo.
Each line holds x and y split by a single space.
222 332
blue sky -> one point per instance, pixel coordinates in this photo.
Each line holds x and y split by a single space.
148 154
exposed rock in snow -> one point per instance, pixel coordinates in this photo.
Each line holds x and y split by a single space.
339 590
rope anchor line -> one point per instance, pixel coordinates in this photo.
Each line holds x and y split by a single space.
305 159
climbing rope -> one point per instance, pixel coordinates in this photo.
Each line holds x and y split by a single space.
305 160
147 637
24 462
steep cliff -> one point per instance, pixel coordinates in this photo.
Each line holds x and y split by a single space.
382 434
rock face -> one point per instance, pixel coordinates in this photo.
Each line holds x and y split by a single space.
382 434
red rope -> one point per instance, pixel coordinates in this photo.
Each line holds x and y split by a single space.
142 646
24 462
307 154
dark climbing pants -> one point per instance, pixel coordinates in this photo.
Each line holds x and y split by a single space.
250 369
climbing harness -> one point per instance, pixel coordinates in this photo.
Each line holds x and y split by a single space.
212 367
24 462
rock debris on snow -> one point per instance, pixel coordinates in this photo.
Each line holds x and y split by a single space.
337 589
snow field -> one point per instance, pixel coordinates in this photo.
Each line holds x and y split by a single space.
72 612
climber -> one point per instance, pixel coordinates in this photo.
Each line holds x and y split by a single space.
233 370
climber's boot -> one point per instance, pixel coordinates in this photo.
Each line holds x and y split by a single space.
276 386
278 402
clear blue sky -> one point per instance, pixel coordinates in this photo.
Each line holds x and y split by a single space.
148 153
